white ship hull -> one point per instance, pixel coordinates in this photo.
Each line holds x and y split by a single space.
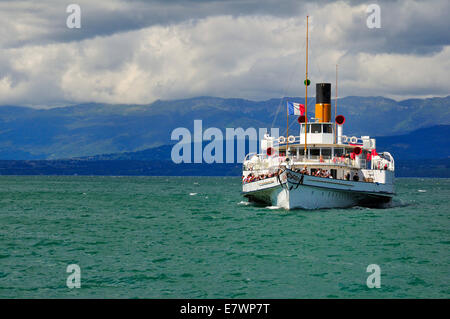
293 190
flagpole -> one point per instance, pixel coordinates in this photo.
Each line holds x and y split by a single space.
287 128
306 88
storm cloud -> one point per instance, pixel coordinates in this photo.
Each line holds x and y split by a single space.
140 51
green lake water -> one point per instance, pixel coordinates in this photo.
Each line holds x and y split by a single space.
196 237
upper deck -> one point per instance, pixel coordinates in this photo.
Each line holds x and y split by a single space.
324 148
319 143
322 133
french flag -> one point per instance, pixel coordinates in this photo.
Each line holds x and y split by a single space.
295 108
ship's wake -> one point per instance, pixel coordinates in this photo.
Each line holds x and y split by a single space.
395 203
256 204
273 207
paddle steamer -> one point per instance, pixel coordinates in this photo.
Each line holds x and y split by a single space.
321 167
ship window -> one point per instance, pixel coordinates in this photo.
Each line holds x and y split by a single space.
314 151
326 152
303 128
338 151
301 151
316 128
327 128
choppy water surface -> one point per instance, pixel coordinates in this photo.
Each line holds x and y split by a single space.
196 237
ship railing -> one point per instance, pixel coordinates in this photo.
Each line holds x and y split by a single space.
264 161
332 161
384 161
246 158
261 162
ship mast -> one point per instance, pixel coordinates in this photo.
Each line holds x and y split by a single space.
335 104
306 88
287 129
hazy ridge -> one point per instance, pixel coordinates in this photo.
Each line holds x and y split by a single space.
94 129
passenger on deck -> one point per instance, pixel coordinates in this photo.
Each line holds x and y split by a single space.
325 174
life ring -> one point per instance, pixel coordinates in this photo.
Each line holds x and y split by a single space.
291 139
353 139
281 139
344 139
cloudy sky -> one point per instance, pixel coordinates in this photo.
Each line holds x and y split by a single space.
140 51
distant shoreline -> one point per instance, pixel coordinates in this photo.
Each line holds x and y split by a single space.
432 168
206 176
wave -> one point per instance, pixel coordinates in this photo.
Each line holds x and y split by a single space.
395 203
273 207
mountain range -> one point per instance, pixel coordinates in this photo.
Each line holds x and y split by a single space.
92 129
425 143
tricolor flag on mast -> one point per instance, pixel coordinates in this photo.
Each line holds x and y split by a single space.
295 108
